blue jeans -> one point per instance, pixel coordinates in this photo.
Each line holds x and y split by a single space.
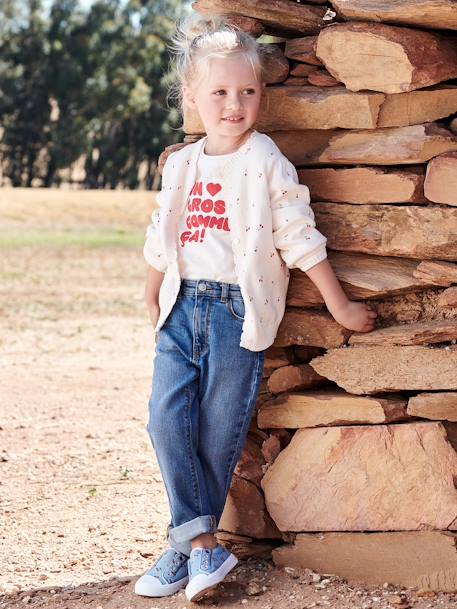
204 390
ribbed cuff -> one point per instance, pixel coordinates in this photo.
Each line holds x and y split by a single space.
310 260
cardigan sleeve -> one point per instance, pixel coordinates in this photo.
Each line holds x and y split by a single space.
295 234
153 250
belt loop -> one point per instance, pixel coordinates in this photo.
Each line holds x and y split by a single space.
225 291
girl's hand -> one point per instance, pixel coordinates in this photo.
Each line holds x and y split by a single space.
356 316
154 312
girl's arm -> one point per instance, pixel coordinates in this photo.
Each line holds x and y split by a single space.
154 280
352 315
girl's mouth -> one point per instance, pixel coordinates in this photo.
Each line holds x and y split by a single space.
233 120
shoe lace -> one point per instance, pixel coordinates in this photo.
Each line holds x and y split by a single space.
177 561
205 558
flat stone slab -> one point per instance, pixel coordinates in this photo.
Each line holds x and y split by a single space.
328 407
375 368
424 560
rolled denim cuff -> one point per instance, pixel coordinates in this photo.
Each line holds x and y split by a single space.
180 537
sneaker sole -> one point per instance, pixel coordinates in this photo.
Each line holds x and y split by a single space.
201 584
151 586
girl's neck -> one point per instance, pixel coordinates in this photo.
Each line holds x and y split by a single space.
216 149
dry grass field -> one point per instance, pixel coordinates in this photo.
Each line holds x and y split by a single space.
83 510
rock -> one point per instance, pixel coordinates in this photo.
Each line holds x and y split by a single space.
386 58
388 146
435 14
277 14
416 559
303 49
329 407
373 369
448 299
434 406
295 81
362 276
313 328
250 463
275 357
419 333
271 449
321 78
421 106
364 478
440 184
245 513
389 230
436 272
294 378
364 185
302 69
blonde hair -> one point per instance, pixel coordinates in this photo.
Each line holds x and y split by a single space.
199 39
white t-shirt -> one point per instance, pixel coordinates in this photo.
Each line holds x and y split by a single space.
205 250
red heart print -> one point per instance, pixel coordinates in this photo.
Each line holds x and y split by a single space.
213 189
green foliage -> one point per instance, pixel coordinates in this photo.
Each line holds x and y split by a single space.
85 82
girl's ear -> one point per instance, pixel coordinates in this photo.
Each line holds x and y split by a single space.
188 96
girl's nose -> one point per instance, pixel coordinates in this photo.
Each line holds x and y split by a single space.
234 102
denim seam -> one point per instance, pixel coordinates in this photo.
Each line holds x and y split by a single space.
195 484
232 312
207 328
195 331
251 396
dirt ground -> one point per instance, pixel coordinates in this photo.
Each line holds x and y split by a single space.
83 510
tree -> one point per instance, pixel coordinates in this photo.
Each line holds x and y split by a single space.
94 84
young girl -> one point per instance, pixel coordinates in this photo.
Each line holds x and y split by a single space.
232 219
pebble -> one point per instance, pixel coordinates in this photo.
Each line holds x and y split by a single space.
253 588
9 588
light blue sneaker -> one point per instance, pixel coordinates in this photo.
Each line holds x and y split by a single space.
167 576
207 568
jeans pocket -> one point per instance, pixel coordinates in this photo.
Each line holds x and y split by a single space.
236 308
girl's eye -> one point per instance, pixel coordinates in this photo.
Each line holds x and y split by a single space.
251 91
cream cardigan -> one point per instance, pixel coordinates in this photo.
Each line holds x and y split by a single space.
272 230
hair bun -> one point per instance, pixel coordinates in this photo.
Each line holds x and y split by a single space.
197 24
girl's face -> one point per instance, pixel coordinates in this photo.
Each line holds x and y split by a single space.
231 91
